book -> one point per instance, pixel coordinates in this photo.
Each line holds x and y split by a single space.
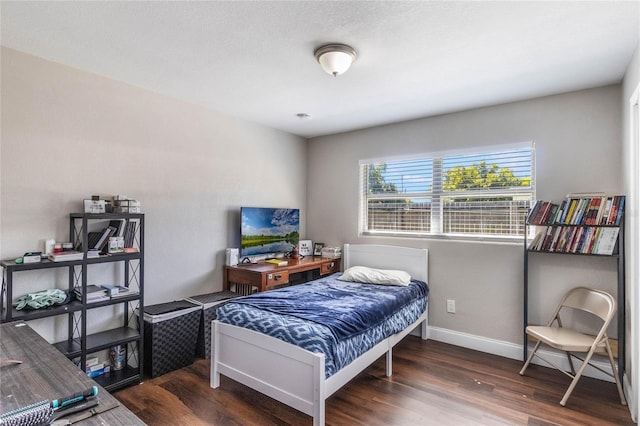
104 238
534 211
93 297
119 225
92 254
116 291
536 241
129 234
66 256
110 289
277 262
93 291
620 211
607 241
124 292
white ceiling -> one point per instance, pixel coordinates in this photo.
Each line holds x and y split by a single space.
254 59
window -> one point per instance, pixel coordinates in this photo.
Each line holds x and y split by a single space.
479 194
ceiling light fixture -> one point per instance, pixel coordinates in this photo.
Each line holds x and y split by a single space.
335 59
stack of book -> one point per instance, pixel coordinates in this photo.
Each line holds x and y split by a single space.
94 293
594 211
117 291
98 240
65 256
129 234
583 225
582 240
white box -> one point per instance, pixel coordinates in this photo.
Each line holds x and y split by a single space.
306 247
94 206
31 258
332 252
231 257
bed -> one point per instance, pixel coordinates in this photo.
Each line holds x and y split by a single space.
257 360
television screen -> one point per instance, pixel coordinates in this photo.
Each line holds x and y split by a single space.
267 231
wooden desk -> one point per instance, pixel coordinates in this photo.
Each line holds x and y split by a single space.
266 276
46 374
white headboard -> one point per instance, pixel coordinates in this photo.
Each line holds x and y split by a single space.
414 261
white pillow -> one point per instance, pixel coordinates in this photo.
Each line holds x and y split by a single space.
363 274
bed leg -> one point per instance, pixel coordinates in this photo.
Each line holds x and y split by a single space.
424 330
389 362
318 394
215 375
318 420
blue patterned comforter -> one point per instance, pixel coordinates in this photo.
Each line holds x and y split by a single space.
337 318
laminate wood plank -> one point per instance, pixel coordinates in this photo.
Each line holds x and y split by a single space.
433 384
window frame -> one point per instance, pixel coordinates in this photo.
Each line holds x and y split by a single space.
437 194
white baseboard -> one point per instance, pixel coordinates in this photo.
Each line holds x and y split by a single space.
512 350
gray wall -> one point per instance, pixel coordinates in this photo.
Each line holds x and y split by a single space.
68 134
578 143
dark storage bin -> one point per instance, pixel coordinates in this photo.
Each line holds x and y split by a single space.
209 303
170 334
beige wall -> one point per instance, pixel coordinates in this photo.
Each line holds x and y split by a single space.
68 134
578 142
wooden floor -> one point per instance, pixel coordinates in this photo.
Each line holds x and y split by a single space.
432 384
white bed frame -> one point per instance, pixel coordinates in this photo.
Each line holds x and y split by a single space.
295 376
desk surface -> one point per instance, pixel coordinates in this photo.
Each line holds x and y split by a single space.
46 374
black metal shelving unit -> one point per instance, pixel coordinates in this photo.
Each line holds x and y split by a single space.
78 343
617 256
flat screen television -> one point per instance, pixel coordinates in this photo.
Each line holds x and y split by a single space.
268 231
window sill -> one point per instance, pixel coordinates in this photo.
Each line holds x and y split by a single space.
511 241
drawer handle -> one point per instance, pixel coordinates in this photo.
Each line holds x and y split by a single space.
277 276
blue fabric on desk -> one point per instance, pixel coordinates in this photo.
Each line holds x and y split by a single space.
347 309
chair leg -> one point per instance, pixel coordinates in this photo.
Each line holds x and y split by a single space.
574 382
623 400
573 370
526 364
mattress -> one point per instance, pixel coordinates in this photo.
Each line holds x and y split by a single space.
388 310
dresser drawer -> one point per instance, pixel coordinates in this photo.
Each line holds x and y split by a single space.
277 278
330 267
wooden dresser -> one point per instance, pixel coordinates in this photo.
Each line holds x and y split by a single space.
265 276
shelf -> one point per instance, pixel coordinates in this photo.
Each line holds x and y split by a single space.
123 299
129 267
117 379
43 264
47 264
99 341
104 216
114 257
614 255
565 235
23 315
109 338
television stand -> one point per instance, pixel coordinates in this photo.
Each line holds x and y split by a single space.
248 278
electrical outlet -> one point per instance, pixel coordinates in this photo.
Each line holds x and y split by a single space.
451 306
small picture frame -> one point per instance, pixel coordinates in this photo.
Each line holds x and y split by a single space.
317 249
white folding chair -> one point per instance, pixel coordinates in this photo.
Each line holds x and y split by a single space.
595 302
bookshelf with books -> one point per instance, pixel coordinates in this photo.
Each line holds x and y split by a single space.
90 234
579 225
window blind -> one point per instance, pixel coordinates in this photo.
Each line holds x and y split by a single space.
478 194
